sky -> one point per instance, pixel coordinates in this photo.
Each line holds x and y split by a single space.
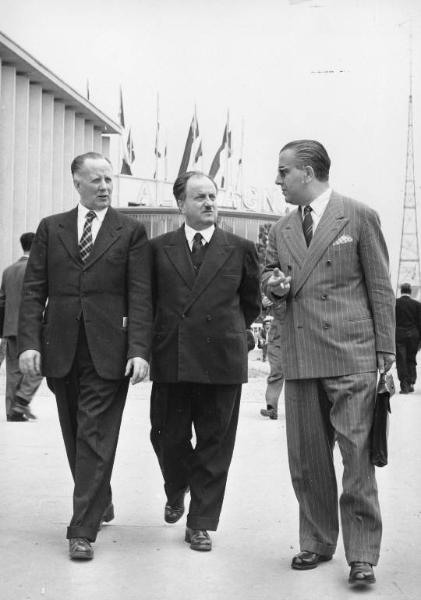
332 70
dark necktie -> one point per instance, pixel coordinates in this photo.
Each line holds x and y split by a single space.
86 243
197 251
308 224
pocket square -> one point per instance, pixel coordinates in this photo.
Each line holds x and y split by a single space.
344 239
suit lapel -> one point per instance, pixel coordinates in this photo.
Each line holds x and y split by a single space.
178 253
331 223
294 238
108 233
67 232
216 255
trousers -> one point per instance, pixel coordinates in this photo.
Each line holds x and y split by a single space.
90 410
212 410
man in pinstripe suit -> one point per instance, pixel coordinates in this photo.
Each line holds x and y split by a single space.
327 270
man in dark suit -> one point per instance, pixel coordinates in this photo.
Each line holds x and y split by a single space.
206 294
327 270
408 334
86 313
20 388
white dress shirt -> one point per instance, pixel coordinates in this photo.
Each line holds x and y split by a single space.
96 223
206 234
318 207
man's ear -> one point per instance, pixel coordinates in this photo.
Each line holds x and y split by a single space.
308 174
76 183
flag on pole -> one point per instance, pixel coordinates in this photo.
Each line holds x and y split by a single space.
193 149
126 142
157 150
218 167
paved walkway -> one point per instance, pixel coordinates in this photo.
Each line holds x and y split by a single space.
139 557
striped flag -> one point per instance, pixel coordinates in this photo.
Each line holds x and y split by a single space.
193 149
218 167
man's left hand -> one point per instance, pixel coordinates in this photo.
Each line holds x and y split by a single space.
385 361
137 368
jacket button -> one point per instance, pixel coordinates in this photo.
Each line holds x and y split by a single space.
183 316
208 318
208 340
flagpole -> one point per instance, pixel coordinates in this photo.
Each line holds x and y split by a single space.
241 157
156 148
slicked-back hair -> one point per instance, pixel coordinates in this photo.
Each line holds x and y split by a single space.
406 288
79 161
180 184
313 154
26 240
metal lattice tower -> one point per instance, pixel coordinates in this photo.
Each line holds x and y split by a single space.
409 255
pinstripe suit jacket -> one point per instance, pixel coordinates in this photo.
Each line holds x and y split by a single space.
340 308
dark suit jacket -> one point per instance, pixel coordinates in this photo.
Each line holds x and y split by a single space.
113 283
408 314
10 294
200 322
340 309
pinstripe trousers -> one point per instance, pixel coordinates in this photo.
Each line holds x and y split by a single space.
318 413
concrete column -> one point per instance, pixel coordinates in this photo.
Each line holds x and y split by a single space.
46 181
58 157
89 136
7 140
20 198
34 156
97 140
68 155
79 135
106 146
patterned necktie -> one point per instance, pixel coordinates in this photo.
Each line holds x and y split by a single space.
86 243
197 251
308 224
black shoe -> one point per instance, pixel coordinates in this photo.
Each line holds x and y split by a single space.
80 549
308 560
198 539
361 572
17 417
173 513
22 407
270 412
411 388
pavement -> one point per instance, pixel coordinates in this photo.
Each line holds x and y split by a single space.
139 557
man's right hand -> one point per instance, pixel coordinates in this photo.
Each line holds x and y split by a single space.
278 283
30 362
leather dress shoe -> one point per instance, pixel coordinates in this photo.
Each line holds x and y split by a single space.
272 413
21 406
172 514
198 539
361 572
17 417
308 560
80 549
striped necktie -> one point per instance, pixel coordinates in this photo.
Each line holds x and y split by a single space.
308 224
86 242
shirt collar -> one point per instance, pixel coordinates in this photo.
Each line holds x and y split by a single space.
206 233
83 211
319 204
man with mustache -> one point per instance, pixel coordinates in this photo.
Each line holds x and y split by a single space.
327 271
206 294
85 323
